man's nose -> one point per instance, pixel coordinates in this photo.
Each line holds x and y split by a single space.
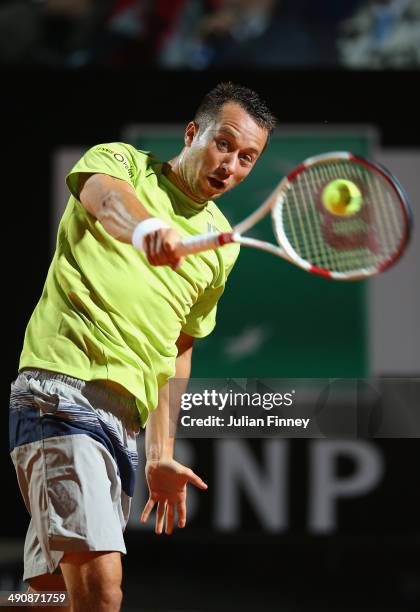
228 165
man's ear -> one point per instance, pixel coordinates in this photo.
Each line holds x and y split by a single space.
190 133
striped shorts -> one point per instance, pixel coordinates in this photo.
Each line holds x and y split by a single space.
73 445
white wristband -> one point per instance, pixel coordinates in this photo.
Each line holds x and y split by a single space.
143 228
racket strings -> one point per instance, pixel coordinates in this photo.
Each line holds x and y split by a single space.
366 239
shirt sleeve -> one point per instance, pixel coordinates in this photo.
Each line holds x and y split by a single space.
114 159
201 319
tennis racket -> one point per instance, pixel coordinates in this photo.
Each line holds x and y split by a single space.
337 246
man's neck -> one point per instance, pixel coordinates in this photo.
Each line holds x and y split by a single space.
171 170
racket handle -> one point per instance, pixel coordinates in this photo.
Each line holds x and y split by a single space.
203 242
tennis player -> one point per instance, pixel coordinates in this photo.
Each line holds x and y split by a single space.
116 320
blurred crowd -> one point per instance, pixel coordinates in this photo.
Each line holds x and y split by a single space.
201 34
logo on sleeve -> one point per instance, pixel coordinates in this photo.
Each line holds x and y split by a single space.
119 158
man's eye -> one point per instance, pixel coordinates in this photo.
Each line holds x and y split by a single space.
247 158
222 144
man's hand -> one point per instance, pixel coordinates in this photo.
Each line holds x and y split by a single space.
159 247
167 482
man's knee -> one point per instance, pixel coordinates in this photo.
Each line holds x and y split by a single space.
95 595
100 588
109 597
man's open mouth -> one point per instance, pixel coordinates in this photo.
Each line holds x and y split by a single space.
214 182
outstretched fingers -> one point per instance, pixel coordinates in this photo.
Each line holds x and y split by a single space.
196 480
168 483
181 507
170 516
160 517
147 510
182 513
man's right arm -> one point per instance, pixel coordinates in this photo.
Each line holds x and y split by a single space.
116 205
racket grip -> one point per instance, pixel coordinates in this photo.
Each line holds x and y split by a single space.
204 242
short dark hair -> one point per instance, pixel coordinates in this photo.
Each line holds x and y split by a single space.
226 92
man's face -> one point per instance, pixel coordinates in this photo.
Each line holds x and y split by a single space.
220 156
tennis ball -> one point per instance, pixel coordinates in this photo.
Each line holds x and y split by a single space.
342 197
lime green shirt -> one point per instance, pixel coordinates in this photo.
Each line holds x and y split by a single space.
104 312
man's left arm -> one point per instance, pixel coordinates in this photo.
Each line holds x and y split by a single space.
167 479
